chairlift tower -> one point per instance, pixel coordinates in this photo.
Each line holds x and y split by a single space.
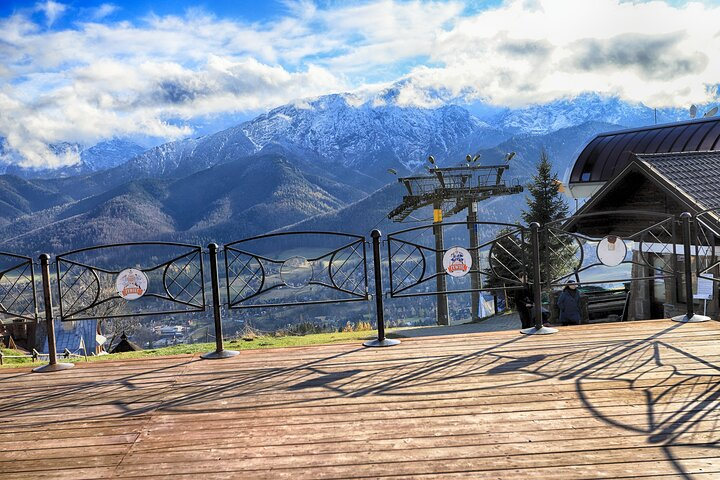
451 190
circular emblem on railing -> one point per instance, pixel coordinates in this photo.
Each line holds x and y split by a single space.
457 262
131 284
611 251
296 272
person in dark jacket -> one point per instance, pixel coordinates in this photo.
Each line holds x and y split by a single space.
523 303
569 305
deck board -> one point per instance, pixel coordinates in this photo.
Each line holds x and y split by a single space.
634 400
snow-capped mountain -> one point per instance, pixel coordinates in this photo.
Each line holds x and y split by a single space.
590 107
109 154
359 135
102 156
336 148
333 130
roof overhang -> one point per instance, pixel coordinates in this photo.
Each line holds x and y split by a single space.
637 165
585 189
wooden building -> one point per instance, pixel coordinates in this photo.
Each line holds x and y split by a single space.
663 169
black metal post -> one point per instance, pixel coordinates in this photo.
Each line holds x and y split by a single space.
379 305
53 365
690 316
475 271
220 351
538 329
440 282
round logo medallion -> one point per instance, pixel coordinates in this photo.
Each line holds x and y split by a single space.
131 284
611 251
457 262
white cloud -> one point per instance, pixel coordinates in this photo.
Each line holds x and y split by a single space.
155 75
650 52
52 10
103 11
111 98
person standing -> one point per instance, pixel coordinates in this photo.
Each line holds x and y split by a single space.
524 303
569 305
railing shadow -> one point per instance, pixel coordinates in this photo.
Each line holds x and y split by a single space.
678 403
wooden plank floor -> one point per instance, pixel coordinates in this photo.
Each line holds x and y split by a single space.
634 400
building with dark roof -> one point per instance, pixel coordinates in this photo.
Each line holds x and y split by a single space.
605 156
664 182
661 169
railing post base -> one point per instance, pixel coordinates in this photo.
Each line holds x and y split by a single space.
381 341
539 331
538 328
694 319
53 367
219 355
220 351
690 316
385 342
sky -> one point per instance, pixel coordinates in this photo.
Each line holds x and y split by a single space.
79 71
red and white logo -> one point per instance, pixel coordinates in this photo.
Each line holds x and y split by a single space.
131 284
457 262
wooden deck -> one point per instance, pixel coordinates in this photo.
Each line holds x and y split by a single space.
634 400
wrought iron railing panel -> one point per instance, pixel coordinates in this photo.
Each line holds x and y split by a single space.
608 255
89 280
296 268
706 232
18 298
500 258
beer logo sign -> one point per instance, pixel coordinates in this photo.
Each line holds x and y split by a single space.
457 262
131 284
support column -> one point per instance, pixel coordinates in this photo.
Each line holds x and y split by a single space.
690 316
474 254
441 286
53 365
379 303
220 351
538 329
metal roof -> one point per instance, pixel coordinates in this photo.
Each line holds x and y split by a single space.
696 174
609 153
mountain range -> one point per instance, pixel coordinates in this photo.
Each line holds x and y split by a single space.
317 164
102 156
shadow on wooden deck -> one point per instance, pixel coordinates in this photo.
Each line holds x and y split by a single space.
636 400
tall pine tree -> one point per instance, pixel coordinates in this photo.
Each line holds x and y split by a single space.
545 204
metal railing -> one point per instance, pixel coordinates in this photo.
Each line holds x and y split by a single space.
18 298
512 257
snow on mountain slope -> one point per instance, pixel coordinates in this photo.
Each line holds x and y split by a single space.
341 128
102 156
590 107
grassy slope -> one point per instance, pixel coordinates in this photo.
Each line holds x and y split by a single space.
259 342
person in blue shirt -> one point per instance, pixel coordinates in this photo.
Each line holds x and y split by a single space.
569 305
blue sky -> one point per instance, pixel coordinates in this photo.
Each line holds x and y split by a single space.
81 71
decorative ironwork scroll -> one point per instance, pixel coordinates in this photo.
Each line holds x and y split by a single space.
499 260
296 268
602 247
130 279
706 233
18 299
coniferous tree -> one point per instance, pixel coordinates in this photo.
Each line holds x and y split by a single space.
545 205
545 202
